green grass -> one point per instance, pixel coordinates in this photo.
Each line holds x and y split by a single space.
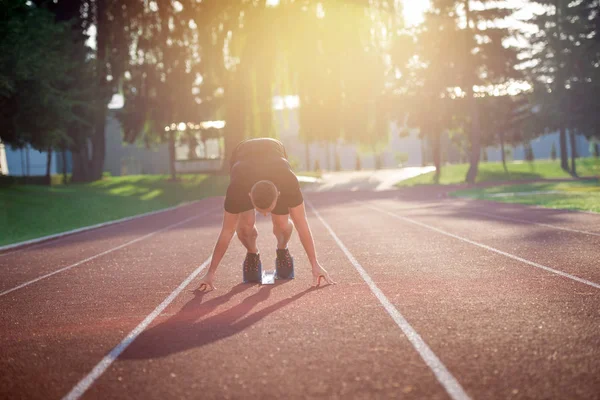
29 211
580 195
493 171
32 211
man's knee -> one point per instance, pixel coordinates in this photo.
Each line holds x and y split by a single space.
247 232
282 225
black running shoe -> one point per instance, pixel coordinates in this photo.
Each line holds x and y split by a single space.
284 264
252 268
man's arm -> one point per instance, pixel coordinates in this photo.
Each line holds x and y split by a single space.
298 215
227 231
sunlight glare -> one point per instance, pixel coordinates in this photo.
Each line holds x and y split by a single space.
413 11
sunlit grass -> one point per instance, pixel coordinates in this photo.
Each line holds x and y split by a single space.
494 171
32 211
580 195
29 211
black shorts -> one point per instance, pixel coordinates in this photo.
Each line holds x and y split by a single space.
257 149
256 160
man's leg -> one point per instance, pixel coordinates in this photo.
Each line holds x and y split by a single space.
247 233
283 227
246 230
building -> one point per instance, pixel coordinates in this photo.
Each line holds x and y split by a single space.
30 162
131 159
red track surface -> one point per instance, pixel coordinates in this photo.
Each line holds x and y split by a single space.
498 326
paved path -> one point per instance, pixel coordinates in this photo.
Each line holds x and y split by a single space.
375 180
437 298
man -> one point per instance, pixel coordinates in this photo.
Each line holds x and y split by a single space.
262 180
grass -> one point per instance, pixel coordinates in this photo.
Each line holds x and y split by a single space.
494 172
30 211
579 195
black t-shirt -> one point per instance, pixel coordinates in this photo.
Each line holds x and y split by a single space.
261 159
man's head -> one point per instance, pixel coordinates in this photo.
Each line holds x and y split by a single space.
264 196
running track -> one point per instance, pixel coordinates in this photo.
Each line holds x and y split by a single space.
436 298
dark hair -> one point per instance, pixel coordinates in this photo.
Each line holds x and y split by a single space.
263 193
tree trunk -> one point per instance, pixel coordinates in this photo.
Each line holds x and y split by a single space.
564 158
64 165
376 158
98 149
81 164
235 129
573 151
436 150
98 139
27 161
503 152
474 134
21 152
307 155
328 150
596 150
48 167
172 155
475 141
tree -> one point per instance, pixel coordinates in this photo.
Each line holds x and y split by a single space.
487 62
436 74
529 156
165 85
561 67
508 120
41 62
459 47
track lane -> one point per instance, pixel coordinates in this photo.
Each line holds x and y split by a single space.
54 332
281 341
573 253
570 219
496 331
28 264
504 331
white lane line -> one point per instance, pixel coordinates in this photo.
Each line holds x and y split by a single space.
84 384
534 223
483 246
84 229
444 377
103 253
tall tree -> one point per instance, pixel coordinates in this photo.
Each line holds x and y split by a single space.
487 62
555 65
431 75
167 83
41 97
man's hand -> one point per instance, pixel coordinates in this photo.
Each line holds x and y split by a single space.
318 273
206 283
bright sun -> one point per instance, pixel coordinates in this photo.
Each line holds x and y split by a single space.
413 11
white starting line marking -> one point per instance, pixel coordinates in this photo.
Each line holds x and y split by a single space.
106 362
102 254
483 246
444 377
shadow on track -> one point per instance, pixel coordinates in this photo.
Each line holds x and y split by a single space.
187 329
